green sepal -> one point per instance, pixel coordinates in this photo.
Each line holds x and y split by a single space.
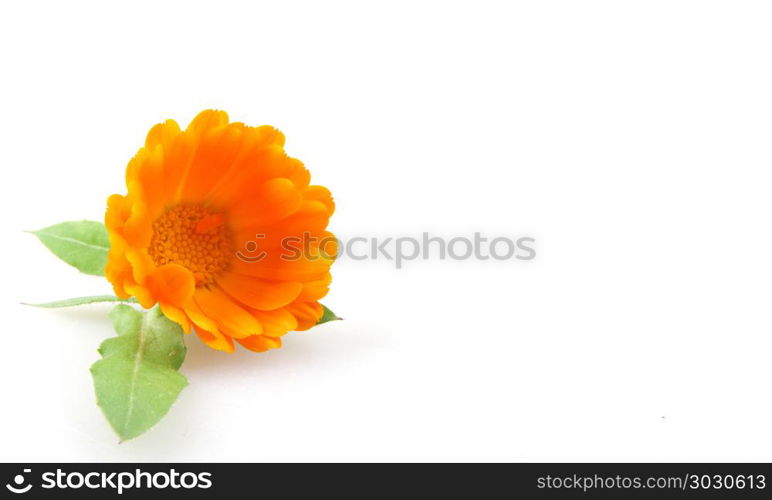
328 315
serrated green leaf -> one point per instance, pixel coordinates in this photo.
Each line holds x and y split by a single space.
81 244
137 380
328 316
126 320
80 301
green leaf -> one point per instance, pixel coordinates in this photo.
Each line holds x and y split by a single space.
79 301
137 380
328 316
81 244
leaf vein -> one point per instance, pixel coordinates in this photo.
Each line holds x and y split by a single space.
73 240
135 370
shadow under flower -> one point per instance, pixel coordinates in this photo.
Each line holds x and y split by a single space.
322 344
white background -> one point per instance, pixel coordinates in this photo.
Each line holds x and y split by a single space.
631 139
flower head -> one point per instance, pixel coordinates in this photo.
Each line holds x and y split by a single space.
222 230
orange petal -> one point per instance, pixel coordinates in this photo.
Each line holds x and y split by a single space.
298 173
275 268
217 151
254 169
182 157
141 264
265 135
215 340
118 211
162 134
177 315
138 229
198 317
171 284
259 343
141 293
257 143
273 200
207 120
307 313
177 159
209 222
322 195
276 323
311 218
315 290
296 248
118 271
230 318
260 294
145 179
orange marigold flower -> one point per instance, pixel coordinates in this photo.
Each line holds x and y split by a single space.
211 230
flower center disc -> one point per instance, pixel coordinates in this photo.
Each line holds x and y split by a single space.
195 238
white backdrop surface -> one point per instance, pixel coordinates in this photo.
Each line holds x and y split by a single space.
631 139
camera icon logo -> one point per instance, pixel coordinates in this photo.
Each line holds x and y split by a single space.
18 481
